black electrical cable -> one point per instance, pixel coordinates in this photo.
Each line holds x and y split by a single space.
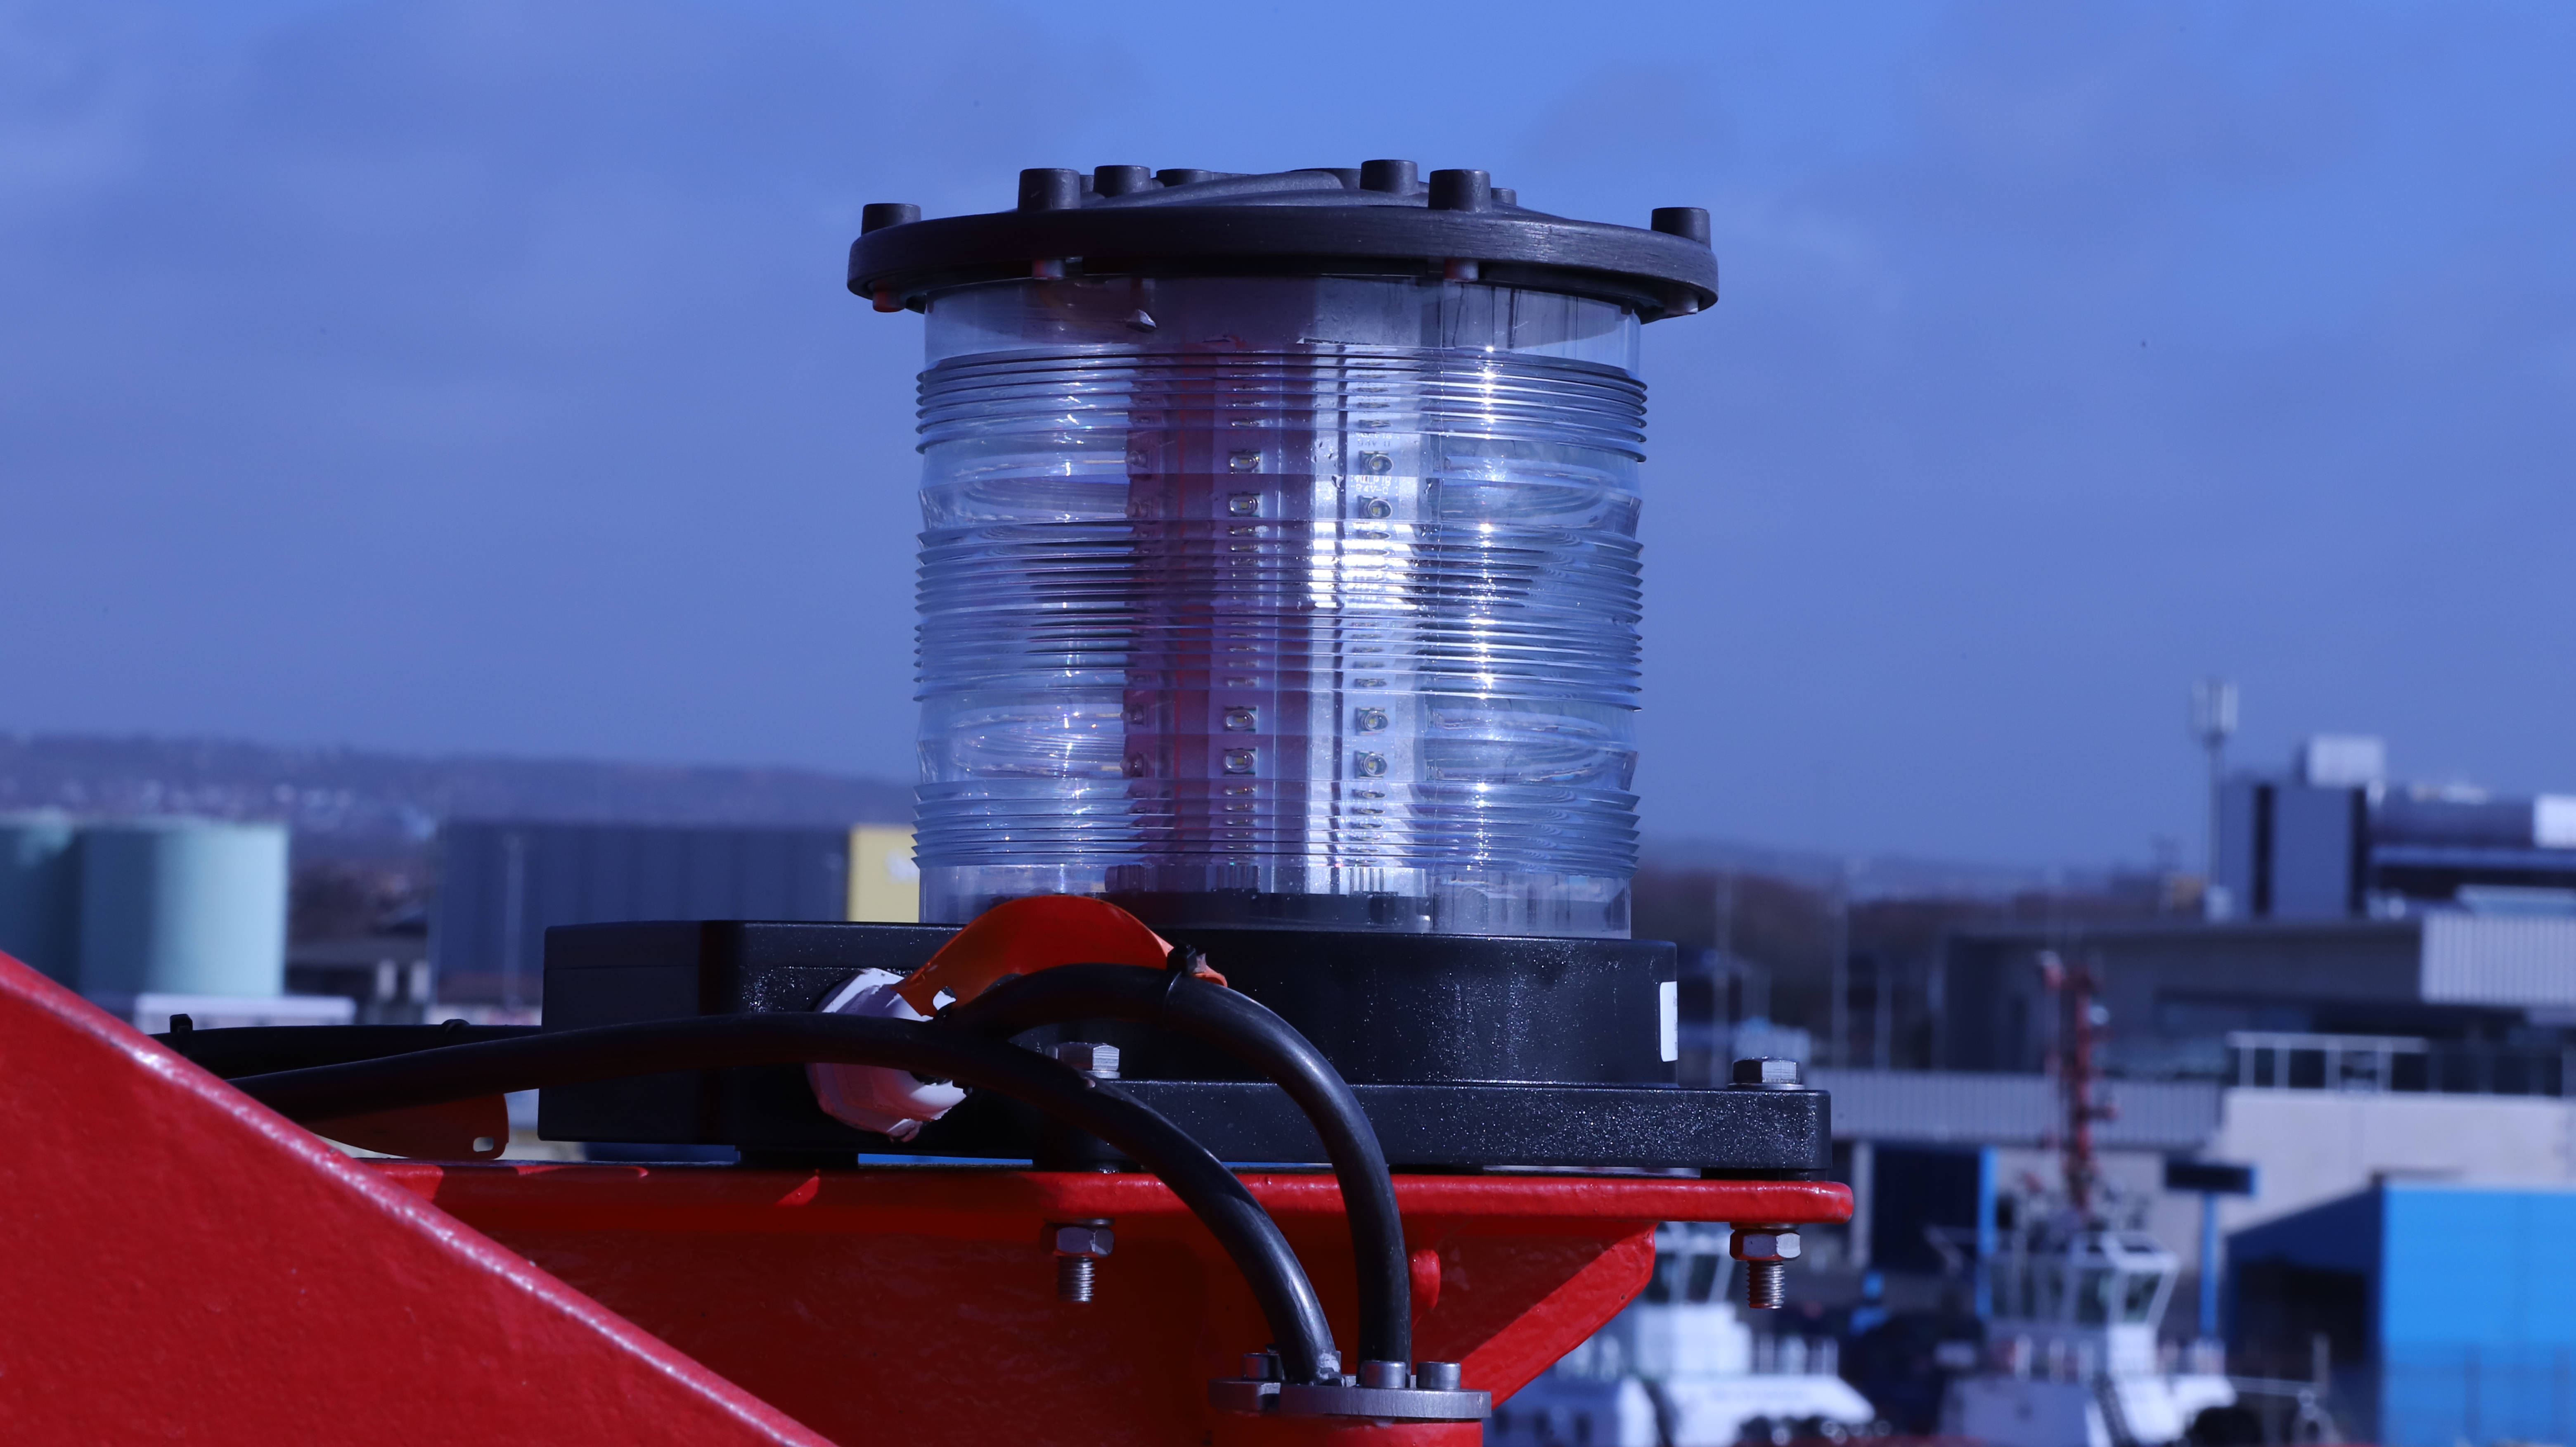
714 1042
1242 1026
260 1049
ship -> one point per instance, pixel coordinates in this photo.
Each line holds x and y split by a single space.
2074 1295
1678 1367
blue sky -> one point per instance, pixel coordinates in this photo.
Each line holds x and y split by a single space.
477 376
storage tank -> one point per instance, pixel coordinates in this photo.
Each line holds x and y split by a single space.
40 892
183 906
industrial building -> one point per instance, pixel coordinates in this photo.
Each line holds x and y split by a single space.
2376 1015
503 883
2361 934
2460 1000
2443 1308
2313 1144
2334 838
160 916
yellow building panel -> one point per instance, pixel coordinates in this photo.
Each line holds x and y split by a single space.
885 885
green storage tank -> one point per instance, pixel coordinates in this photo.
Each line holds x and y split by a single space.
183 906
40 892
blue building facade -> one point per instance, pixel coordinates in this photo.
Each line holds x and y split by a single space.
2449 1311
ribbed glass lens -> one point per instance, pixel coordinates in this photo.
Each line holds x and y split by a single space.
1281 601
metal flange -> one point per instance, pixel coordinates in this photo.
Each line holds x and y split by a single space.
1428 1393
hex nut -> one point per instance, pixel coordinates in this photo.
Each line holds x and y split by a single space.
1765 1246
1090 1057
1080 1240
1766 1071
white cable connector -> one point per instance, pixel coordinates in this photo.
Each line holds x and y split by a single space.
894 1103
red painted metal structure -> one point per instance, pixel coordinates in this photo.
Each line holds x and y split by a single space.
2076 992
189 1265
184 1265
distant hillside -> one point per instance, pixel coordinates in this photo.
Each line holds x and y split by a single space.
1874 876
360 798
366 803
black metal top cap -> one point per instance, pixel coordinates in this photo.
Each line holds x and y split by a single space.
1377 219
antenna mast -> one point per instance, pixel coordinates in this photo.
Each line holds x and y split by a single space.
2082 1019
2213 721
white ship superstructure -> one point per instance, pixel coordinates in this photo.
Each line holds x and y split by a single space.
1680 1367
2073 1359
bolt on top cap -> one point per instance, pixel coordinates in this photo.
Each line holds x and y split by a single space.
1380 218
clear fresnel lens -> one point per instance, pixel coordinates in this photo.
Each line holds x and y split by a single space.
1289 601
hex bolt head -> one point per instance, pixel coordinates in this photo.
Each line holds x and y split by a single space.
1095 1060
1764 1243
1080 1238
1078 1248
1767 1073
1766 1252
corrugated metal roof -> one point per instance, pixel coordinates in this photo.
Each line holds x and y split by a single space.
2472 959
1951 1105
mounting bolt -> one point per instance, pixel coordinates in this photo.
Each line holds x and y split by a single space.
1436 1376
1394 177
1766 1073
1050 188
1766 1252
1690 223
1766 1285
1100 1062
878 215
1078 1248
1121 180
1385 1374
1462 191
1073 1277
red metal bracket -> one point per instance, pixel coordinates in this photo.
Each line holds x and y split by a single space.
914 1304
190 1265
186 1266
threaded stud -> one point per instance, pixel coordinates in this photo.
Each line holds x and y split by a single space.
1766 1285
1074 1276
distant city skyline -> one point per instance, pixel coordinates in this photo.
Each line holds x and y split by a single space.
457 379
341 799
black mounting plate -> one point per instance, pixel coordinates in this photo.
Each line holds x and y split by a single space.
1526 1006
